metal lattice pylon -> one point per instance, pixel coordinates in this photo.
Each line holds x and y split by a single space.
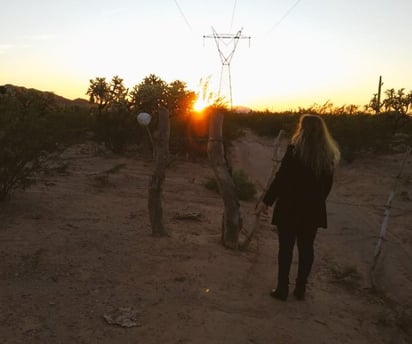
226 45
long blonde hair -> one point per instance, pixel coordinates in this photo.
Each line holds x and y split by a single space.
314 145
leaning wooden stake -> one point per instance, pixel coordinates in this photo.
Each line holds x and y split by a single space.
232 222
385 221
161 158
277 157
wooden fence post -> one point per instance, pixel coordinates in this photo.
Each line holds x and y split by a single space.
232 221
161 159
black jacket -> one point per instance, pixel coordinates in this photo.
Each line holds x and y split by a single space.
300 196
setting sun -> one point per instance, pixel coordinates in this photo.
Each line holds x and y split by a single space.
200 105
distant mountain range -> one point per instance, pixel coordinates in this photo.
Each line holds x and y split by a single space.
242 109
8 88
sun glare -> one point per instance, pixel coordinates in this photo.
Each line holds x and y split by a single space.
200 105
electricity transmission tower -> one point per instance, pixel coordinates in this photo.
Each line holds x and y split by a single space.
226 45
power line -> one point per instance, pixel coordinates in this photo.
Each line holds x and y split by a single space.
183 15
287 13
233 15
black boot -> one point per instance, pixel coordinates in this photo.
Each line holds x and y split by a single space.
280 293
300 290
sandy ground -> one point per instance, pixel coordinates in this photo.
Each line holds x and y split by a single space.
76 251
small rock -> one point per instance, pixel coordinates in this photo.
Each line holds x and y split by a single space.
124 317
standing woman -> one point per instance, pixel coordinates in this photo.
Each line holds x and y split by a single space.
300 189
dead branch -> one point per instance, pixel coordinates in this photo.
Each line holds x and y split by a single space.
278 153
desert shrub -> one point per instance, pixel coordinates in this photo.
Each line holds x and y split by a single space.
360 133
232 127
115 108
262 124
211 184
245 189
74 124
354 133
117 128
33 124
27 135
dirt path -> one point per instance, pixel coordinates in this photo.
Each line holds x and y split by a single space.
77 246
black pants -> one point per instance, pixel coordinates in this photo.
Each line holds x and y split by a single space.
305 238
